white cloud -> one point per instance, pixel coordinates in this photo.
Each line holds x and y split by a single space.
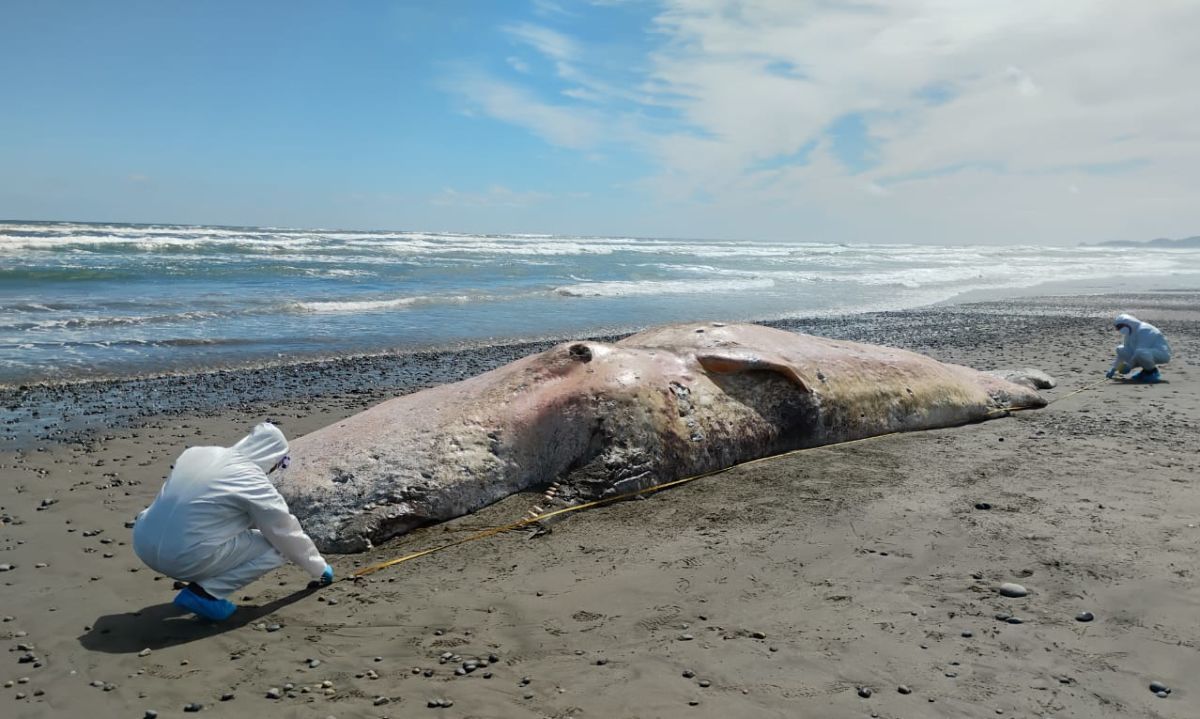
550 43
980 113
561 125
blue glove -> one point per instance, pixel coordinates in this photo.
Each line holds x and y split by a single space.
327 576
1110 373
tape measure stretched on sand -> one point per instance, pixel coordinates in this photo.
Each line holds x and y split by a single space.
530 520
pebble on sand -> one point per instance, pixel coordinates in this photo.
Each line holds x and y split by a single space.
1084 617
1158 687
1009 589
865 692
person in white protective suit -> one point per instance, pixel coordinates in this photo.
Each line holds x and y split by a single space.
219 524
1144 347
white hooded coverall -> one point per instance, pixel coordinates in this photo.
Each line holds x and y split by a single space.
219 522
1144 347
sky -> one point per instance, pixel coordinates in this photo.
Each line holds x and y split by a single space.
926 121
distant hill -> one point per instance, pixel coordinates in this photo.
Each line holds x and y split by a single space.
1187 243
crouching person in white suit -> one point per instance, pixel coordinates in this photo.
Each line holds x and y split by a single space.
219 524
1144 347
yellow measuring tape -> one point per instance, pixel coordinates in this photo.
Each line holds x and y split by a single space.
651 490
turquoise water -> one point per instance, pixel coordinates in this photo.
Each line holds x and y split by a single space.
81 300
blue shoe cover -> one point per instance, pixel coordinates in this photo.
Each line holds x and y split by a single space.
1151 377
216 610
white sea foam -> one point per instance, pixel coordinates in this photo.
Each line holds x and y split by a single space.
375 305
660 287
356 305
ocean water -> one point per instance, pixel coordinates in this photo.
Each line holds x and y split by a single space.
101 300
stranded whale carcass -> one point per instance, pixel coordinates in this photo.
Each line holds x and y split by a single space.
662 404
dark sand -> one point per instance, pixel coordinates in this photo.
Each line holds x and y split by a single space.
775 590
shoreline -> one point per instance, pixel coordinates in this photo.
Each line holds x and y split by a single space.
75 410
1190 282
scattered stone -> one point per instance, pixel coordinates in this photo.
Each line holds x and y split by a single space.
96 683
1009 589
704 683
982 506
1015 620
313 663
688 673
150 714
380 701
274 693
1084 617
967 634
1162 695
273 627
758 635
227 697
193 707
686 637
903 689
1157 686
7 567
601 662
145 652
865 692
1003 616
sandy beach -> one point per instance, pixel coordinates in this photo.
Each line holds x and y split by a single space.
845 581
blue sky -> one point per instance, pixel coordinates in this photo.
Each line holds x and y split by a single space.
909 120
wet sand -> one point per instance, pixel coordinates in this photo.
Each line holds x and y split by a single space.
788 588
